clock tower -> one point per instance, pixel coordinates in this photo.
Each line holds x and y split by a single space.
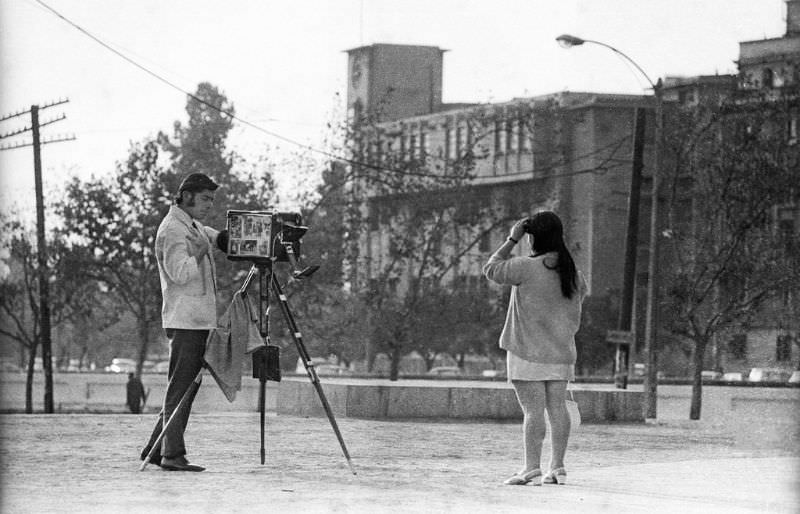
394 81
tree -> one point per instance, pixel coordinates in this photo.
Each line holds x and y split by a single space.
71 295
200 145
118 217
730 167
418 222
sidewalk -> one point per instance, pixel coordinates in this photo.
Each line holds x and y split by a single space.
89 464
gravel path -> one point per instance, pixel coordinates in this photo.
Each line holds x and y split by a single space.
89 463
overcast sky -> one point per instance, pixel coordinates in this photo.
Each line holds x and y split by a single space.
282 63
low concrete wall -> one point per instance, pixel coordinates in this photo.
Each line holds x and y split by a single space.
91 392
462 400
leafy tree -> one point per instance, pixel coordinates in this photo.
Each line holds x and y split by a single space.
71 295
726 258
118 217
417 226
200 145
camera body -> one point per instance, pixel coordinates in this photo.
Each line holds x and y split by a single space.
260 236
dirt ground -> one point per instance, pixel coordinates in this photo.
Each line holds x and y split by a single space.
88 463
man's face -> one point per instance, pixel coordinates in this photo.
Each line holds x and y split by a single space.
198 204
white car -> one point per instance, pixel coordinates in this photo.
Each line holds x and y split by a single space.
119 365
445 371
769 375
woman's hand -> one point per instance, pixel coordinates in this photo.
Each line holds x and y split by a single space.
518 230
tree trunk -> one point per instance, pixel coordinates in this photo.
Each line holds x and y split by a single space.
395 369
144 338
369 355
697 379
716 348
430 360
29 380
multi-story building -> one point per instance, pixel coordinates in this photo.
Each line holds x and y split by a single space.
570 152
768 73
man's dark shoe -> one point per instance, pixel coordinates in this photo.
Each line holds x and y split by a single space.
179 464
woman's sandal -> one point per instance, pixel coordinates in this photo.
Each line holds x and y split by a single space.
556 476
535 476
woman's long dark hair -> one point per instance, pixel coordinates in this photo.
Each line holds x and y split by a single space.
548 236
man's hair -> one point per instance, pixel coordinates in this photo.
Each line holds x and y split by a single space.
194 183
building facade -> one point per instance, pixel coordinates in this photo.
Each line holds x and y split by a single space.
569 152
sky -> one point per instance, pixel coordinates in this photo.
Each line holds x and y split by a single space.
283 63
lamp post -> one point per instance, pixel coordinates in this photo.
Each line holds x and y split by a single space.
651 322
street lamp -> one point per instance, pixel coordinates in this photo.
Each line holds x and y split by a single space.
651 322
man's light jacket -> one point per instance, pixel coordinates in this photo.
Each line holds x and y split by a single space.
188 288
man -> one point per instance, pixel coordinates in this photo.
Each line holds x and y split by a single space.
135 394
188 285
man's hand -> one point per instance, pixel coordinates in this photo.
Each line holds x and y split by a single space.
198 245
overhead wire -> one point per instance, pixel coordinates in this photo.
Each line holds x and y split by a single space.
353 162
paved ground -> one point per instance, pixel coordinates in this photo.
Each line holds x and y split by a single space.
88 463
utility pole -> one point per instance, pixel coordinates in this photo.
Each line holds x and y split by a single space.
625 320
44 288
653 296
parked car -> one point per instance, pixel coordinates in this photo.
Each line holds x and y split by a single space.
711 375
732 377
120 365
316 361
158 367
332 369
445 371
493 373
769 375
795 378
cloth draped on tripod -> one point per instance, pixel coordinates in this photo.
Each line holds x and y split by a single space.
227 345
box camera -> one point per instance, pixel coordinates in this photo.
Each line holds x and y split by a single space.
262 236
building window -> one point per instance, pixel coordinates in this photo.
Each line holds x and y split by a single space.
513 135
767 78
783 348
737 346
498 143
525 136
793 129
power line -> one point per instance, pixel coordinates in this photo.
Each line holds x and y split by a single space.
158 77
198 99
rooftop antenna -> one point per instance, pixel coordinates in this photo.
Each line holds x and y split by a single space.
361 23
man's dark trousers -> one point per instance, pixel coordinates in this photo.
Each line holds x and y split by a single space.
186 350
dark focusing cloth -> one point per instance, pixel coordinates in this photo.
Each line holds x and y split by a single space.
228 344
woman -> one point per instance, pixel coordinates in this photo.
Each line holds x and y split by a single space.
544 314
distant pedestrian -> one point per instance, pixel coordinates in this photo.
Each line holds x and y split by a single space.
544 314
135 393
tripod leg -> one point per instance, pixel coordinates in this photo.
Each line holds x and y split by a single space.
312 374
263 328
261 408
189 391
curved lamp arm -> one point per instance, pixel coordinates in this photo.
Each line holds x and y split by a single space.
568 41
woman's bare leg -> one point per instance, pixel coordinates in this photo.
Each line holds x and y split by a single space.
556 393
531 396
